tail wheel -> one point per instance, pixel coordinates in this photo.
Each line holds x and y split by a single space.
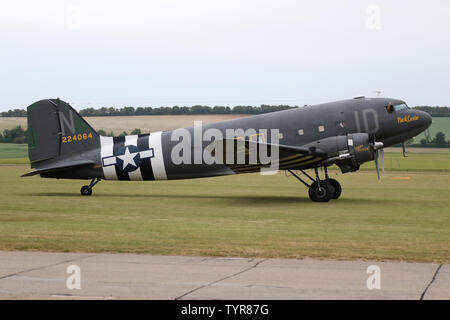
324 193
337 188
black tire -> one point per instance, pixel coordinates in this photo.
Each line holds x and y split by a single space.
86 191
337 188
323 194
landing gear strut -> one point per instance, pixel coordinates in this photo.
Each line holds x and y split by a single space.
87 190
321 190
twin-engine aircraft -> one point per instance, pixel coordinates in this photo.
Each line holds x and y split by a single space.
344 133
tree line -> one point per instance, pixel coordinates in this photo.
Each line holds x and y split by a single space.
19 135
439 141
435 111
199 109
175 110
14 113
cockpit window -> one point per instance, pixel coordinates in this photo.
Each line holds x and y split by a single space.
399 107
390 107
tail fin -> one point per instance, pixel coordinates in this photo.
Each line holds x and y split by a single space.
57 134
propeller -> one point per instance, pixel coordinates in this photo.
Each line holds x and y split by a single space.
378 151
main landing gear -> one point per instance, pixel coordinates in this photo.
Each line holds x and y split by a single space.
321 190
87 190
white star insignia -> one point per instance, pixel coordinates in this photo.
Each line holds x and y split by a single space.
128 158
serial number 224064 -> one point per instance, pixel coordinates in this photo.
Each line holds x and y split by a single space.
77 137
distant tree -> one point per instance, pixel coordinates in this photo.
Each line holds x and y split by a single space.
244 110
139 111
88 112
136 131
177 110
15 134
435 111
14 113
423 141
440 138
221 110
123 134
127 111
101 132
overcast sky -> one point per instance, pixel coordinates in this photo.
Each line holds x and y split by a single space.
164 53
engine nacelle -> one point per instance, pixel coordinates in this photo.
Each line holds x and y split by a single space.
359 147
347 152
359 150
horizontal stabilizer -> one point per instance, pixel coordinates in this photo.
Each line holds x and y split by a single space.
55 166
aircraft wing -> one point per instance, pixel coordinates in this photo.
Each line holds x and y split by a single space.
289 157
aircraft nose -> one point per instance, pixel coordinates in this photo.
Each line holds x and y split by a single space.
426 120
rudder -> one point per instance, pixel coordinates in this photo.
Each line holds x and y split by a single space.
57 132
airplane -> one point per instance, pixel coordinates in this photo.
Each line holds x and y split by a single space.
347 133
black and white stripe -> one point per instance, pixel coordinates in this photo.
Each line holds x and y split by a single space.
289 162
148 154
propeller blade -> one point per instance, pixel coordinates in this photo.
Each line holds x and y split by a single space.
382 158
376 164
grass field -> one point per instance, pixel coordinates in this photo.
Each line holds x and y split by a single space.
11 153
406 216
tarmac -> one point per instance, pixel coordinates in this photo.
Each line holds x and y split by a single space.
40 275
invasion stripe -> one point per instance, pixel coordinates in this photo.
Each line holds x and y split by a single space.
135 175
107 150
282 165
146 165
283 161
119 142
159 170
133 141
303 159
300 165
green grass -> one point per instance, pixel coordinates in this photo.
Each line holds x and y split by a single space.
415 161
244 215
12 150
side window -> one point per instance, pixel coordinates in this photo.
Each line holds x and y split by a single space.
398 107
